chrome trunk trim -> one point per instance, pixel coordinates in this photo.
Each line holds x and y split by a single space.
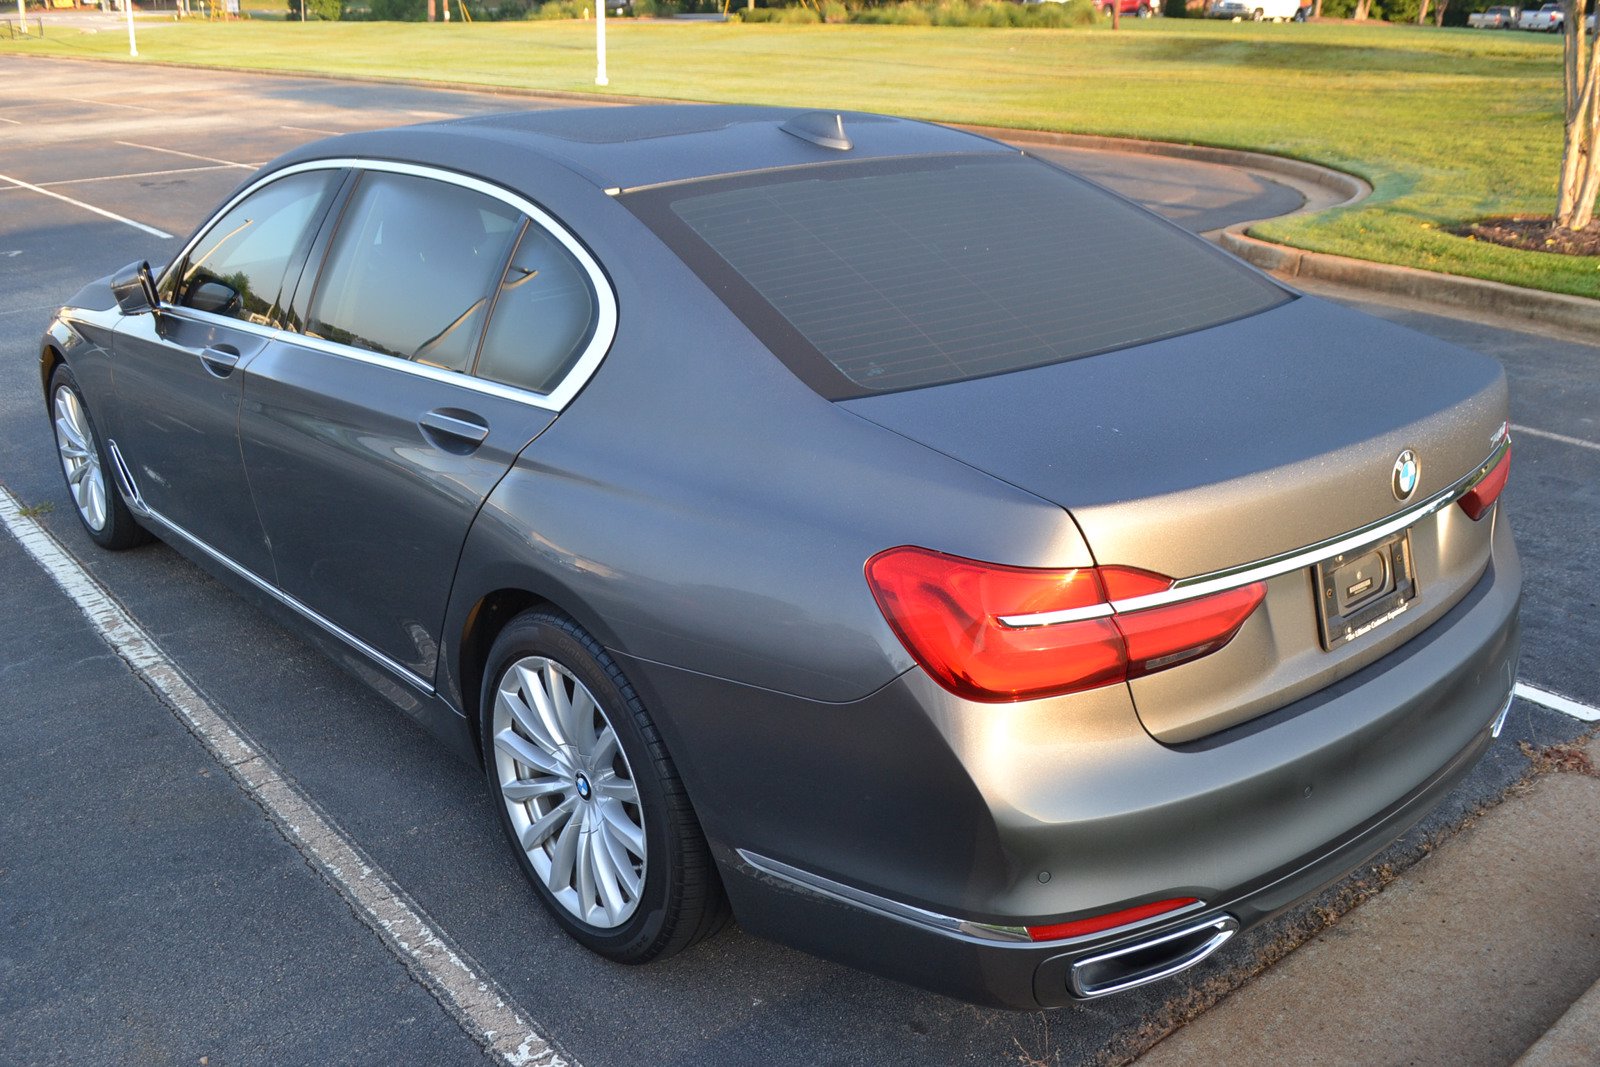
1296 559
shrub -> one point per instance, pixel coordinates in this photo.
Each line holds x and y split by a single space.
328 10
398 10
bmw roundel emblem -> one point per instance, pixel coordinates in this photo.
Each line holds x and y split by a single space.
1407 473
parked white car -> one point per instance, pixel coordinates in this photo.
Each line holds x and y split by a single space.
1495 18
1254 10
1548 19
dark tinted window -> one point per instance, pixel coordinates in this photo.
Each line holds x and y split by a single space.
410 270
238 268
543 317
895 274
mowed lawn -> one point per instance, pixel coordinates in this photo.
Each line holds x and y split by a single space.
1447 125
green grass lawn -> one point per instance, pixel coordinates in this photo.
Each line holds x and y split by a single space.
1447 125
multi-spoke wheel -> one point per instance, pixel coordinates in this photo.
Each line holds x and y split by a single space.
589 797
569 792
94 492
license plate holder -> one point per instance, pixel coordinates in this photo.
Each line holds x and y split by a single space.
1360 590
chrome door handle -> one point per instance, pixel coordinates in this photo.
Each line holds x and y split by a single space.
220 360
463 427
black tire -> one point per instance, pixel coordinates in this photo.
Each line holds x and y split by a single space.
681 900
120 530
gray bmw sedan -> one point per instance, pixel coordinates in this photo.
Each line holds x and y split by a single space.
791 517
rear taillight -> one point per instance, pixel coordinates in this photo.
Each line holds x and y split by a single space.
952 616
1481 497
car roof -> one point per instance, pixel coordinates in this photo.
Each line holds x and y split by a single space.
618 148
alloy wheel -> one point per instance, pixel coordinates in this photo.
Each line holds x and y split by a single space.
571 796
80 459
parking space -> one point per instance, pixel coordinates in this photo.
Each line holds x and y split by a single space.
227 942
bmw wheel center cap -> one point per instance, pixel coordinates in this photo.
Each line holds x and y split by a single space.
1407 473
583 786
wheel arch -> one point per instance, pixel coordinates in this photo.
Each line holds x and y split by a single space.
50 358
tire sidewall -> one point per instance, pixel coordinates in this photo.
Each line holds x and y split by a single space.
557 638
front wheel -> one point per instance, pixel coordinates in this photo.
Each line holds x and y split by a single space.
589 797
99 503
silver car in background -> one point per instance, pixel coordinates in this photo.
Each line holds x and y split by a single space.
778 510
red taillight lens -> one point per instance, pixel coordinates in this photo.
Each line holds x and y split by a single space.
947 611
1108 921
1481 497
1167 636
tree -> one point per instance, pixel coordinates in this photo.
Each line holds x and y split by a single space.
1580 156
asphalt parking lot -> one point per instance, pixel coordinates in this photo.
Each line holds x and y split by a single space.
152 912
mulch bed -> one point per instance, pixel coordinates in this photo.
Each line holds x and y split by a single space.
1536 235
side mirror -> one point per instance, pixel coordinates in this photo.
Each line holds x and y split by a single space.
135 289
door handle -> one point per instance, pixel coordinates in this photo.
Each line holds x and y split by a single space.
459 427
220 360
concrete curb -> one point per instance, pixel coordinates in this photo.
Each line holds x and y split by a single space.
1575 1038
1340 188
1575 313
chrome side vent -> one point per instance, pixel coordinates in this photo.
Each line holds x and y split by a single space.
130 488
824 128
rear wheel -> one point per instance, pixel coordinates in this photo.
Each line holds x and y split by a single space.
94 491
589 797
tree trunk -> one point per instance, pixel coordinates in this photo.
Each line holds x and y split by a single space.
1580 156
1422 13
1316 9
1362 6
1438 12
431 15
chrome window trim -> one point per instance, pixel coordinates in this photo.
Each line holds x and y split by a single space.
1261 570
557 399
405 673
948 925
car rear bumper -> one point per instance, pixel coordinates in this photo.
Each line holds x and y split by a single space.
900 832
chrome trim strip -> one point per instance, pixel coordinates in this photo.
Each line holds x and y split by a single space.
1261 570
1500 719
860 898
1223 930
606 319
405 673
947 925
130 489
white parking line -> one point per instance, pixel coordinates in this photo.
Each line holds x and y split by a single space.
1563 438
107 103
188 155
456 981
1557 702
13 122
136 174
20 184
308 129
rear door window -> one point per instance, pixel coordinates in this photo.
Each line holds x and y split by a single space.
411 269
544 316
882 275
239 267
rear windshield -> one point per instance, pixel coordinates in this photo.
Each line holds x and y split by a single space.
884 275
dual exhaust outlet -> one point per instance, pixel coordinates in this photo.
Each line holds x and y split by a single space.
1149 960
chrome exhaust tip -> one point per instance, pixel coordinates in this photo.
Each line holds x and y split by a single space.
1150 960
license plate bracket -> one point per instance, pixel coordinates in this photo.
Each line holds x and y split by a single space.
1360 590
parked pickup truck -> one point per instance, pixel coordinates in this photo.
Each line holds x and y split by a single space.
1496 18
1547 19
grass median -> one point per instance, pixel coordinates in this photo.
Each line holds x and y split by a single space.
1448 125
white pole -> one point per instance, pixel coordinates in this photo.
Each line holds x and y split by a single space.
600 43
22 18
133 45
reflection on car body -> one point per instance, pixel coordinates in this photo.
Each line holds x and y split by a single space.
775 509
